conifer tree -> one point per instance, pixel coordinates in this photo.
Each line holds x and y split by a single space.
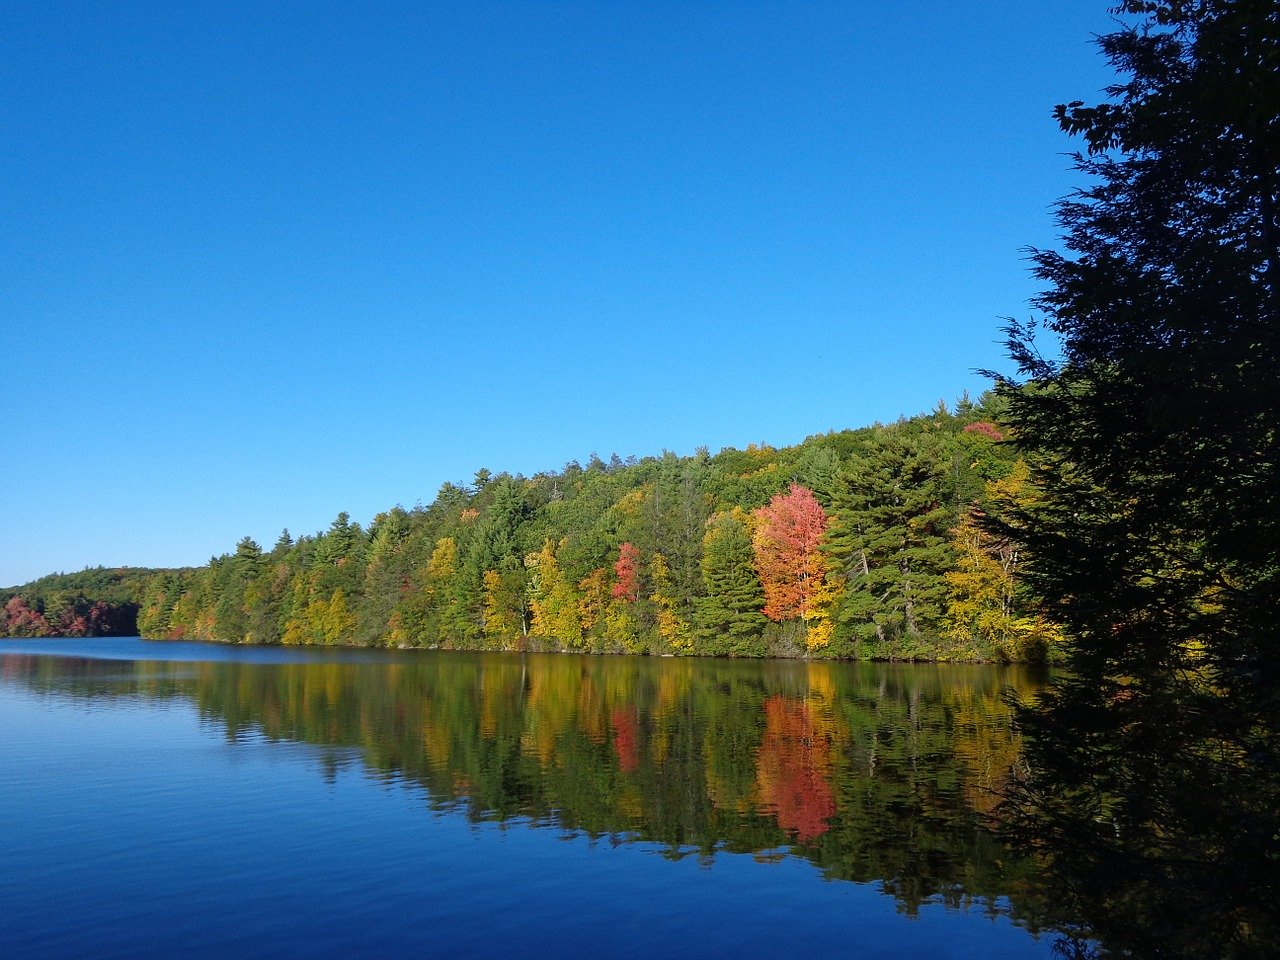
730 617
889 543
1154 764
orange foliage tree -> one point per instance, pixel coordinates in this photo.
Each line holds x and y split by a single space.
787 557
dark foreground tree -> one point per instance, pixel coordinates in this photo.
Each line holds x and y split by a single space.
1154 770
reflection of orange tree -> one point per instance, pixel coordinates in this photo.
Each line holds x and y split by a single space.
874 772
626 729
793 768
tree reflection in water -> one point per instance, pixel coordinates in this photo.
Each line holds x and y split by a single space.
1152 802
1142 814
874 773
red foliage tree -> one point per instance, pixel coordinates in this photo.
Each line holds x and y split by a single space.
786 552
22 621
73 624
626 570
985 429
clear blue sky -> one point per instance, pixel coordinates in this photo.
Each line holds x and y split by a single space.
260 263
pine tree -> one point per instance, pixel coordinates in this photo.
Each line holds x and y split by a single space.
730 618
889 542
1154 763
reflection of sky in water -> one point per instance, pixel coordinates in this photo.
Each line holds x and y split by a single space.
171 651
151 825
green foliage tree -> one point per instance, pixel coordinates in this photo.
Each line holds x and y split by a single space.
729 614
889 543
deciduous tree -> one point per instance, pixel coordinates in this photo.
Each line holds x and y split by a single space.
787 557
626 572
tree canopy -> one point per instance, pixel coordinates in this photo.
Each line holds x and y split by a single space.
837 547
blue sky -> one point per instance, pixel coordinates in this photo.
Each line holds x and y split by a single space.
260 263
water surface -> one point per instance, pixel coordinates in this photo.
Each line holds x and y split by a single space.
212 801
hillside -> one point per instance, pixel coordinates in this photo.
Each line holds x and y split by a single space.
98 601
857 544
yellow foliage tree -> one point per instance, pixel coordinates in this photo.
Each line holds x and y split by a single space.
621 628
443 564
672 627
984 614
552 599
594 592
819 616
337 625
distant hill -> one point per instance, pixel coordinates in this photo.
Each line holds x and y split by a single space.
96 601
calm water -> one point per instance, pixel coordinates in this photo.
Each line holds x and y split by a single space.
164 799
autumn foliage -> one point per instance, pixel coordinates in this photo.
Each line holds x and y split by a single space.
985 429
787 557
627 571
74 617
22 621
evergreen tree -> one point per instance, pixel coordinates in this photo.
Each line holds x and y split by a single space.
730 618
1155 767
889 544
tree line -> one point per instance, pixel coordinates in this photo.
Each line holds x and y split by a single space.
95 602
864 544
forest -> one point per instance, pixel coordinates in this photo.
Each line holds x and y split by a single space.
94 602
859 544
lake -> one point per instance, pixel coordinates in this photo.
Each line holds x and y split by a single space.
165 798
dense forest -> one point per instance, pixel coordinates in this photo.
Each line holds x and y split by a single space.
96 602
865 544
